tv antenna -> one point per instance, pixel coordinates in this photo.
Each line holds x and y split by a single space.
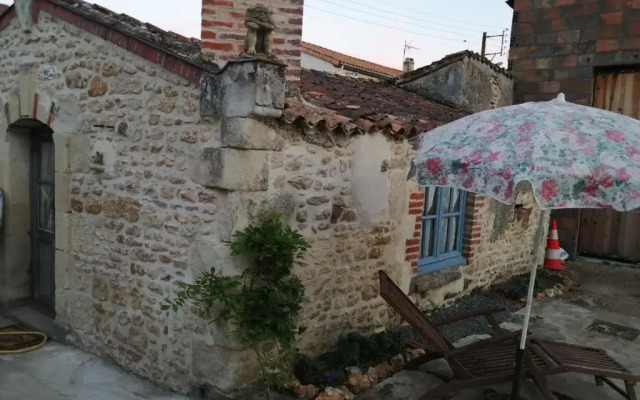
407 47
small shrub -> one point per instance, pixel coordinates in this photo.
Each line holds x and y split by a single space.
263 303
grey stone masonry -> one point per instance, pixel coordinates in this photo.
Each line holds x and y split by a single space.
243 92
245 88
232 169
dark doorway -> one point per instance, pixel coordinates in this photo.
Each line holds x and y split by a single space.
43 220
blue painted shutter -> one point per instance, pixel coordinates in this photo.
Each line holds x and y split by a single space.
442 226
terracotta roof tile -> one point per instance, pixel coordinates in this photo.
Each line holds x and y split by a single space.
342 59
350 105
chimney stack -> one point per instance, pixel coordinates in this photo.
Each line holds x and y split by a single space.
223 30
408 65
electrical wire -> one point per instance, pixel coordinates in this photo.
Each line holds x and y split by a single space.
403 16
434 15
386 26
391 35
402 37
398 36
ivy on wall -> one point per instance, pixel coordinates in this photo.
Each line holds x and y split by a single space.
263 303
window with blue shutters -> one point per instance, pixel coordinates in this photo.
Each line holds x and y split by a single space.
442 226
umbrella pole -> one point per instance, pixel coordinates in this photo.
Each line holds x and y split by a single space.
515 390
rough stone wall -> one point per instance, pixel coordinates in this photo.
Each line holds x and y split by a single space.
443 85
351 242
126 211
484 88
557 47
469 84
507 238
349 196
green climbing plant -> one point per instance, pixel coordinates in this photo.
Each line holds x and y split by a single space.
263 303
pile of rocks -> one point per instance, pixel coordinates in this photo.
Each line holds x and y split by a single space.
359 381
558 289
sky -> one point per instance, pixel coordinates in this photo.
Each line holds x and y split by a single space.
375 30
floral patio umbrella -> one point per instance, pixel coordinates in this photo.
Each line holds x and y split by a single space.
574 157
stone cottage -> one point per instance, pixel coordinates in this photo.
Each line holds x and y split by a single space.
128 157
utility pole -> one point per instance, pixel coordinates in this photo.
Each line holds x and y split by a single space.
484 43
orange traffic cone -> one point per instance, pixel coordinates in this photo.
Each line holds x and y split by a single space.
552 259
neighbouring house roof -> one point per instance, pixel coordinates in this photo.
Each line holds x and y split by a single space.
351 105
340 59
448 60
181 47
510 3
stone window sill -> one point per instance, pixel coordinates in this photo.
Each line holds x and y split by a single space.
436 275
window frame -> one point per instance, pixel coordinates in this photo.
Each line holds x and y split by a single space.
437 261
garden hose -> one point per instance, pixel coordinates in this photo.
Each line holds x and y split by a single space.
26 349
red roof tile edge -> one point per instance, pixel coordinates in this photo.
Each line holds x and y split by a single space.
341 58
297 111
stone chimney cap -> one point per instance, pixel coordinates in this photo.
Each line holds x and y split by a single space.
408 65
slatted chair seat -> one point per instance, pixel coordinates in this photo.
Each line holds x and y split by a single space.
571 356
481 364
563 358
487 361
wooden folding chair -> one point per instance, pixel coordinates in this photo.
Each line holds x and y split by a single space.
492 361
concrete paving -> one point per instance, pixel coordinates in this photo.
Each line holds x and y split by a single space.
61 372
606 293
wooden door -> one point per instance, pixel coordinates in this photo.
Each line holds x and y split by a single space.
608 233
43 221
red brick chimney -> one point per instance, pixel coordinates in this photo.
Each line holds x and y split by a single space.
223 30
